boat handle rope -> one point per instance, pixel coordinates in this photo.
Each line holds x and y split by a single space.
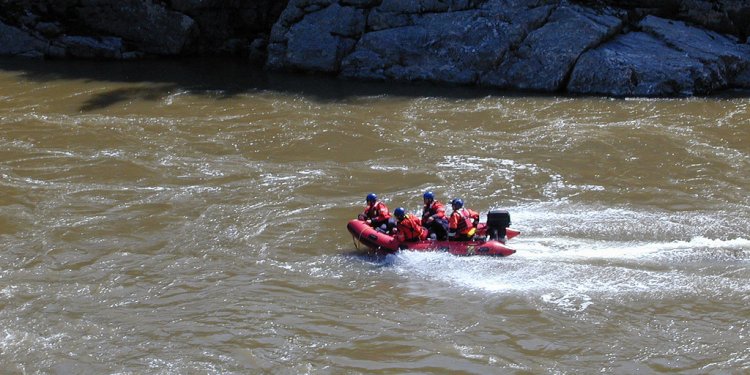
358 241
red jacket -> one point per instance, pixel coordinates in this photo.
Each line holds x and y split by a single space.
377 212
462 221
435 208
410 229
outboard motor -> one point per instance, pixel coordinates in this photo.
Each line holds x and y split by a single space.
497 221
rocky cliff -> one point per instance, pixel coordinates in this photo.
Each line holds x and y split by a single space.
126 29
609 47
549 46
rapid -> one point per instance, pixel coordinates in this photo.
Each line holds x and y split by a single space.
175 217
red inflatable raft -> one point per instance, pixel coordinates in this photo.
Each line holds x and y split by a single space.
491 237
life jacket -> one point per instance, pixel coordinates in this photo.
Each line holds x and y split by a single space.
462 221
410 229
435 208
377 212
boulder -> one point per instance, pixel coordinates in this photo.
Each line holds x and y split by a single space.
319 41
665 58
108 48
544 59
454 47
638 64
519 44
229 26
17 42
149 26
724 16
721 53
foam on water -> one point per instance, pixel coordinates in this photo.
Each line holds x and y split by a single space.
572 272
562 277
563 219
587 249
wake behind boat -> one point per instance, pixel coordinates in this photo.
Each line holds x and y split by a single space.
489 239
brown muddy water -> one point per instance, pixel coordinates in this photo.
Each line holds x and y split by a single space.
190 218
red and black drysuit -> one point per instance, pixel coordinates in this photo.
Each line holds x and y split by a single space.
433 218
378 215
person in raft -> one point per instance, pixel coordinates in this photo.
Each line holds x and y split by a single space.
462 222
433 217
408 228
376 214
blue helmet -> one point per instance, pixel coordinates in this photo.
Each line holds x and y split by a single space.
371 197
428 195
457 202
399 212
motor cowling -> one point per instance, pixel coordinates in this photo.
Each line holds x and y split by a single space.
497 221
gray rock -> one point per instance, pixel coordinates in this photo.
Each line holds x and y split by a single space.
132 55
91 48
535 45
540 45
311 51
668 58
742 79
56 51
382 20
17 42
366 64
455 47
228 26
397 13
696 42
724 16
276 59
49 29
360 3
153 27
257 51
545 58
398 6
149 26
638 64
192 5
318 41
718 52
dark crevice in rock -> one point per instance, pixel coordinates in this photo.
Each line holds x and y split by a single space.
608 38
533 27
515 45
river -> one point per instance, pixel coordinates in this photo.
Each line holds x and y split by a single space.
189 217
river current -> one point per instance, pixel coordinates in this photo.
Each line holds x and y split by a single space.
174 217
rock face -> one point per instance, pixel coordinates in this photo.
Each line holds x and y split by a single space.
17 42
547 54
548 46
151 27
124 29
665 58
601 47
